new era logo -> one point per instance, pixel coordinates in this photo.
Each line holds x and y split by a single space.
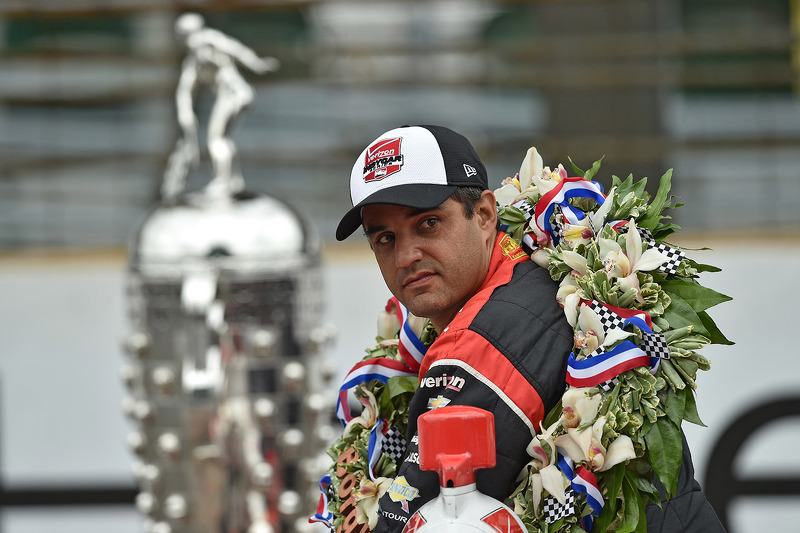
469 170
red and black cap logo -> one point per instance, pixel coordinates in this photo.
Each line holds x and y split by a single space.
382 159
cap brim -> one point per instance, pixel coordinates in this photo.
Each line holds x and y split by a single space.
417 195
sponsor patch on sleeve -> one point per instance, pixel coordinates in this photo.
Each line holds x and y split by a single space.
511 249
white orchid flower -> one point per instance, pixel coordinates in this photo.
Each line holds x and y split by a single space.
576 262
508 193
520 186
544 474
598 218
579 405
541 256
585 446
624 264
368 416
592 334
571 303
388 325
544 246
578 233
536 450
567 286
545 179
536 488
621 449
530 169
554 482
416 323
367 498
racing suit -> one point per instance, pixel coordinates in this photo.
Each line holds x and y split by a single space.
506 351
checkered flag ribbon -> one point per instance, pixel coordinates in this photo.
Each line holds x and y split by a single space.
526 208
608 318
394 444
673 255
557 231
528 243
555 510
608 385
654 345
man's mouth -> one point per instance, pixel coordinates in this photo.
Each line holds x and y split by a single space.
417 279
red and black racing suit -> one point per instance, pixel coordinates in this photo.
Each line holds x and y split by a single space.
505 351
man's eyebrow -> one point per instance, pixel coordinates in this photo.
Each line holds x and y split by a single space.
421 210
410 214
373 229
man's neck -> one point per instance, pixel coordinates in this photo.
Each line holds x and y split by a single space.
440 324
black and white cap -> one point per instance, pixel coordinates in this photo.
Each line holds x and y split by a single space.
414 166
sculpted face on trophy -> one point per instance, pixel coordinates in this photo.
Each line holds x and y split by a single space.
225 306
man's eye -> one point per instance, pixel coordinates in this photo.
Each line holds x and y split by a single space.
429 222
384 239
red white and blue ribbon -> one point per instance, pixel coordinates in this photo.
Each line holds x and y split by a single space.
411 349
377 368
375 446
323 515
603 366
583 481
567 188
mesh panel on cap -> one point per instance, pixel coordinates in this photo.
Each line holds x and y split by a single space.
457 151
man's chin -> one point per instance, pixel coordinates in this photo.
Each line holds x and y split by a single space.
423 306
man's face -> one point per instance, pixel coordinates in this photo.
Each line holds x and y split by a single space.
432 260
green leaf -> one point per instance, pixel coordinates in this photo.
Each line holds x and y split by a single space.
641 527
589 174
700 267
553 415
653 214
697 296
631 508
665 230
665 450
675 405
613 482
401 384
680 314
690 414
644 485
712 331
575 168
627 186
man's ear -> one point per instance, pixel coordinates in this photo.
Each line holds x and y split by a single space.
486 210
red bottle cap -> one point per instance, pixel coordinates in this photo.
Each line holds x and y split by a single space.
455 441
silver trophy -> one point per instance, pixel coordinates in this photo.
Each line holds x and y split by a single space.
224 297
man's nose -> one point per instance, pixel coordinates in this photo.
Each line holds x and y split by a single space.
407 251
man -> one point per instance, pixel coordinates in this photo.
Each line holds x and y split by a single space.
421 195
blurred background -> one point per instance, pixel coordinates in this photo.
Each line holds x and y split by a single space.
87 122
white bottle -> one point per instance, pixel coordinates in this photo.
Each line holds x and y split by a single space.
456 441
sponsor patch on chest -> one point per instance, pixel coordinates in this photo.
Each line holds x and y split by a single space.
449 382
